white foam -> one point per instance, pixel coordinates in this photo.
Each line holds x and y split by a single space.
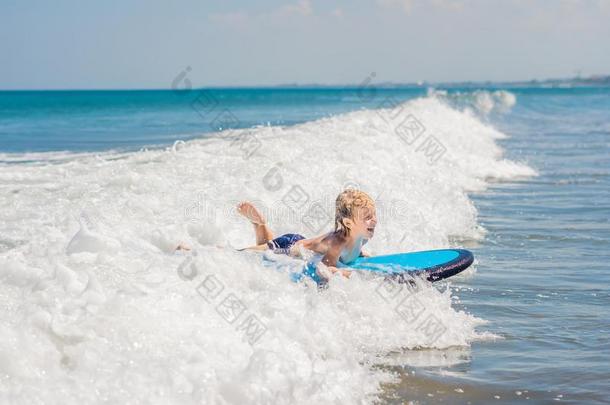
483 102
96 310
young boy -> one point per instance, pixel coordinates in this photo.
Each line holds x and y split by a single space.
355 221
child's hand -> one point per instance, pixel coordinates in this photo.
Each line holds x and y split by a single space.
344 273
328 271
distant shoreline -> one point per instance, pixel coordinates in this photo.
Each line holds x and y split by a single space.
591 81
574 82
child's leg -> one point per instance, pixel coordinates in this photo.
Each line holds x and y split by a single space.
262 231
261 247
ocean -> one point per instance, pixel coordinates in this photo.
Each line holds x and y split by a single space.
99 187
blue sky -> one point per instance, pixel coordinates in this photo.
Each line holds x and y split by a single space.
67 44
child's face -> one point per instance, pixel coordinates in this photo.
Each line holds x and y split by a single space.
364 222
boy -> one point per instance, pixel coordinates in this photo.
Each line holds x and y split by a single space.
355 221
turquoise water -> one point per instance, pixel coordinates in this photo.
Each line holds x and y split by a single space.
37 121
542 279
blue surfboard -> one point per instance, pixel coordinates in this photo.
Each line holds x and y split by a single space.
434 265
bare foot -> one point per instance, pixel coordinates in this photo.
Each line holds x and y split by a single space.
182 246
252 214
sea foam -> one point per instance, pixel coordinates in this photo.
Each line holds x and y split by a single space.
96 306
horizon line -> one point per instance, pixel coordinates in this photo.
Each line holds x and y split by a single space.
596 80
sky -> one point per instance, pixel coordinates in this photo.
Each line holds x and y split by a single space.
76 44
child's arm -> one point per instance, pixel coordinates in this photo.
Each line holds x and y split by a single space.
331 257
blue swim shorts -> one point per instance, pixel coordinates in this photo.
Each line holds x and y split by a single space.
282 244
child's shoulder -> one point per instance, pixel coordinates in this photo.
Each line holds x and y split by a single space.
325 241
334 239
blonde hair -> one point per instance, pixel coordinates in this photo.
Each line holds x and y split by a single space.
346 205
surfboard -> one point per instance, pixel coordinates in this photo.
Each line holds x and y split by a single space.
434 265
